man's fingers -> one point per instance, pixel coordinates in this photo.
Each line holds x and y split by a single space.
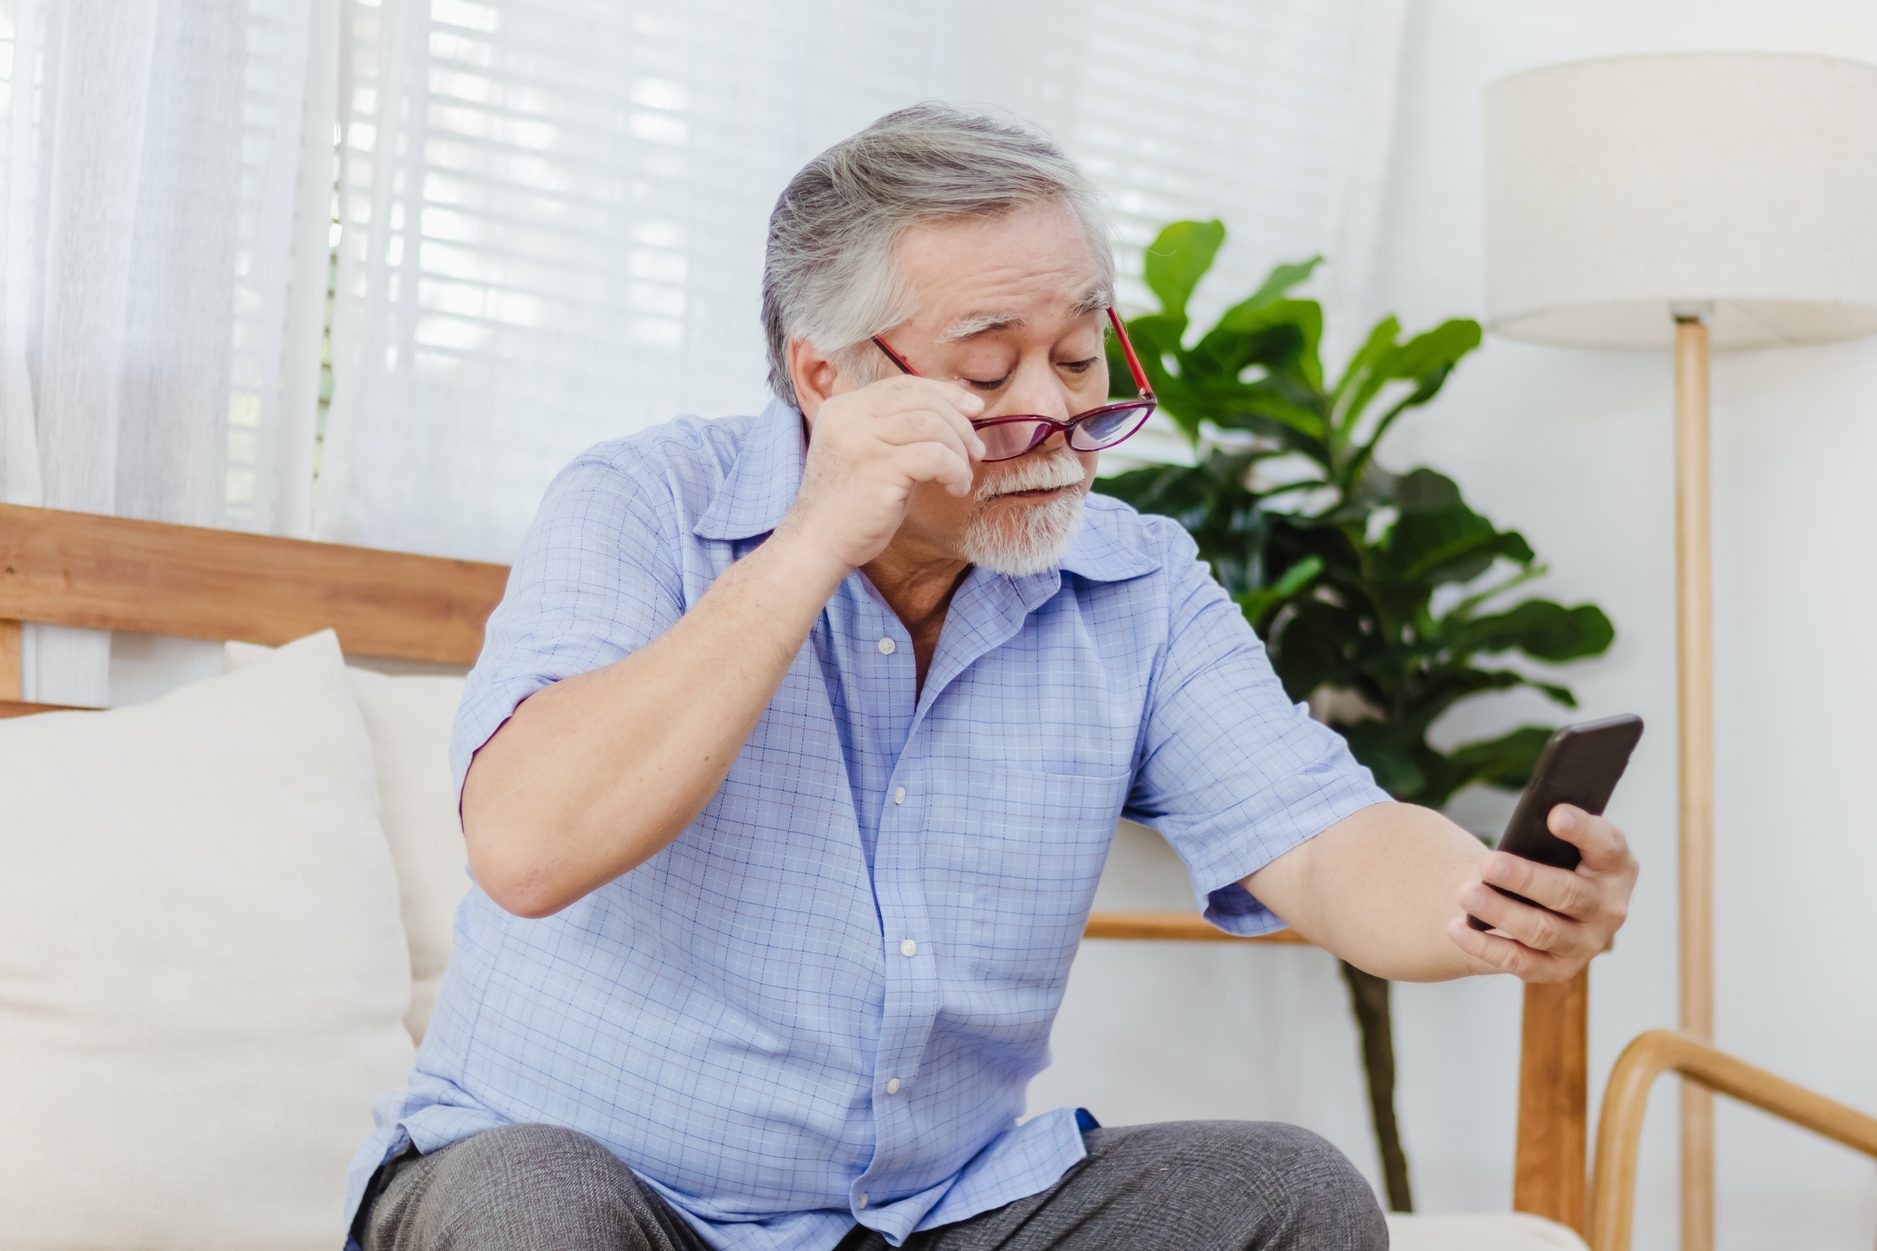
1506 955
955 405
936 393
1560 890
1600 844
927 425
1532 927
935 462
961 422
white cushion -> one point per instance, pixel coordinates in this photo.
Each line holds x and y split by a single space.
202 969
409 718
1513 1231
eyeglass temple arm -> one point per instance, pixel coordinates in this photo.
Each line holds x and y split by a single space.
1127 348
895 357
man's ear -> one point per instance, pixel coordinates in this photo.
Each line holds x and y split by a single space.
815 376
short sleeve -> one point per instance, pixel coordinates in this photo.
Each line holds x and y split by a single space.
596 578
1232 773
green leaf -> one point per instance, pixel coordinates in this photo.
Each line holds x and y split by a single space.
1435 352
1317 645
1425 361
1437 538
1266 407
1504 761
1278 281
1560 695
1443 688
1259 604
1279 337
1465 608
1426 491
1539 628
1397 762
1181 492
1362 365
1178 259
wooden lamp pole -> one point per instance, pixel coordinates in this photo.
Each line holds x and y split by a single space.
1694 614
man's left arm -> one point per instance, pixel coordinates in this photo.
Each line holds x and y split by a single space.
1386 888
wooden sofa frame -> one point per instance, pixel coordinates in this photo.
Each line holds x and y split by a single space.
112 573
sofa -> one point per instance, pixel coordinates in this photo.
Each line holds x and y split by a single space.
226 911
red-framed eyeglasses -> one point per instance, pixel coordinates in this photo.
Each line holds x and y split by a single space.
1006 438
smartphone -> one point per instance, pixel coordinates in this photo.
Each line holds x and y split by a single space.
1580 765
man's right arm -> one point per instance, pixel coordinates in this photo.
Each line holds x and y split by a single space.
595 774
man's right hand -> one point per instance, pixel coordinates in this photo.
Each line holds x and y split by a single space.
868 450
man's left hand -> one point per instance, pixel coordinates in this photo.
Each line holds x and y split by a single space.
1582 907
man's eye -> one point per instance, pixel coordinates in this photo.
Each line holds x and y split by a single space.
1079 367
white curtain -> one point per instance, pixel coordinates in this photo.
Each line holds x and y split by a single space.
160 327
553 211
551 222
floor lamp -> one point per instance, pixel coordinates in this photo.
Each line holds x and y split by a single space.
1682 202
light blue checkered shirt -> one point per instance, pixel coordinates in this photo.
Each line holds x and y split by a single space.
822 1003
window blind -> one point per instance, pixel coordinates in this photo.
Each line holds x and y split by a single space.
552 212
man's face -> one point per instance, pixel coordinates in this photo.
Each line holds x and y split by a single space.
1010 308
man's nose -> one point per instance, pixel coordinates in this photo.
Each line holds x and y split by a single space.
1051 445
1036 390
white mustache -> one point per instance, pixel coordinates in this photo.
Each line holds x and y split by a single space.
1039 476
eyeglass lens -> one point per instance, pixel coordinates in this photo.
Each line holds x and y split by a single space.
1004 440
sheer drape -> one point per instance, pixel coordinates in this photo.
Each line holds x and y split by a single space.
552 222
152 308
553 210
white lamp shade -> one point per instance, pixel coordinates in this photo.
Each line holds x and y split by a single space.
1618 189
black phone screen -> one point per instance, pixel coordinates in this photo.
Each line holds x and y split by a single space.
1580 765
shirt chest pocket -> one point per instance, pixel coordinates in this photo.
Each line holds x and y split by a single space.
1034 852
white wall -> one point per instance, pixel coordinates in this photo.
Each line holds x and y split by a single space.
1574 448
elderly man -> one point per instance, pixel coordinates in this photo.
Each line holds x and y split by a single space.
793 755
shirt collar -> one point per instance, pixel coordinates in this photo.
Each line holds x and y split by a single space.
1111 545
763 480
767 475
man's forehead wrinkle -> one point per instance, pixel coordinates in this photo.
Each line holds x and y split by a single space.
972 325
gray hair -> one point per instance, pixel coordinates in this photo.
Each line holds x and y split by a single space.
829 275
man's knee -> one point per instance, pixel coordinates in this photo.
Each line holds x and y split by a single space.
1275 1186
517 1161
516 1186
1331 1204
1316 1196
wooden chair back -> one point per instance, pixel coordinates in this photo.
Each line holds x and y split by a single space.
115 573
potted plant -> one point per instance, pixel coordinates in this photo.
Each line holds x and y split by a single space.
1381 596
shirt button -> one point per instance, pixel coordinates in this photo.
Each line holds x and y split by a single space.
892 1085
862 1202
899 795
886 646
908 948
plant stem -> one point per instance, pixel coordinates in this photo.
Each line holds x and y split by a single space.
1368 997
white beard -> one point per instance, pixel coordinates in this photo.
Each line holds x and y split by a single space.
1026 538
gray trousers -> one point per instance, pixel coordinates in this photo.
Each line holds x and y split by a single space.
1181 1186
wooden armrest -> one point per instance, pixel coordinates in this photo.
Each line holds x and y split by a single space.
1619 1128
18 708
1172 927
